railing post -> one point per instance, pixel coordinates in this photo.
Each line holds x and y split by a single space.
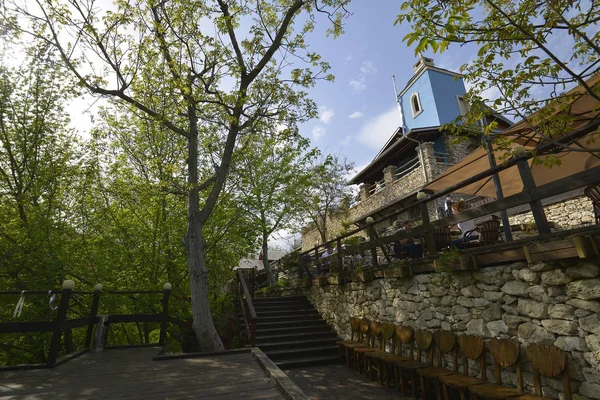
536 206
498 188
340 258
429 239
93 313
372 237
61 316
317 263
165 312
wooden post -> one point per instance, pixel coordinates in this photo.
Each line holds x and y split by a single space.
536 206
372 237
93 314
317 263
499 192
59 323
165 313
429 239
340 259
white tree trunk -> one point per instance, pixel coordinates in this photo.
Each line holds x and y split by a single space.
265 252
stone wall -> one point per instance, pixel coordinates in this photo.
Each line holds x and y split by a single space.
547 303
565 214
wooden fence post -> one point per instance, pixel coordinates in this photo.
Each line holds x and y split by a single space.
340 259
61 316
536 206
93 313
429 237
372 237
165 313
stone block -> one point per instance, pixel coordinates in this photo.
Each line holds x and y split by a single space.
532 308
510 310
555 277
561 311
539 293
541 267
471 291
513 321
491 276
583 270
459 310
588 289
560 326
593 342
570 343
515 288
472 302
590 324
527 275
591 390
535 334
493 313
496 328
585 305
477 327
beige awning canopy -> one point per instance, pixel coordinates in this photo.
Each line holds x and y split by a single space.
584 110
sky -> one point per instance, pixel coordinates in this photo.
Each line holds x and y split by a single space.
358 112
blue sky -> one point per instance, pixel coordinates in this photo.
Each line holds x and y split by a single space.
358 112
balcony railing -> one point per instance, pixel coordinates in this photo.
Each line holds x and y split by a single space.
407 167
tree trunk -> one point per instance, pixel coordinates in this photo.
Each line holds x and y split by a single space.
265 252
207 335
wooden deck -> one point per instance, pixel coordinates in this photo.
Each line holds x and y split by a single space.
131 374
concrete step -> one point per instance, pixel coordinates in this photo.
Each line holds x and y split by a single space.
296 344
299 330
316 334
322 350
283 318
298 362
293 312
290 324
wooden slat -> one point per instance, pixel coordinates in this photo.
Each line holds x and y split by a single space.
117 318
25 327
78 323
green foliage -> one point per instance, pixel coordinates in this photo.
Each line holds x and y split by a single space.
521 57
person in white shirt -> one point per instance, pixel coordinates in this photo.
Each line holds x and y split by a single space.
467 228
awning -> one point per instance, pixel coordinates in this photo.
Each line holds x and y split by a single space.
584 109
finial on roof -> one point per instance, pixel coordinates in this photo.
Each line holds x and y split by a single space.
422 62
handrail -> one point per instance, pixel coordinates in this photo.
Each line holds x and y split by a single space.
249 322
544 148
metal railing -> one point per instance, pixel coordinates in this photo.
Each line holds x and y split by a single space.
407 167
377 187
246 308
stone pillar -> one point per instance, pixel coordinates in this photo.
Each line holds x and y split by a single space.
428 160
364 192
389 175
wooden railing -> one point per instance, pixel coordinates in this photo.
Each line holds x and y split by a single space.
246 308
61 327
531 195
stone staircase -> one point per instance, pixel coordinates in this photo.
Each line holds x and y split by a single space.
292 333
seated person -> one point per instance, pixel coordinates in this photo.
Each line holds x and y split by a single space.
325 265
406 246
466 227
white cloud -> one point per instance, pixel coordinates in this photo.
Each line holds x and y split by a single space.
325 114
355 115
317 132
358 85
376 131
346 140
367 68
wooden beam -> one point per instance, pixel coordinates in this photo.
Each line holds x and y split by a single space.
579 246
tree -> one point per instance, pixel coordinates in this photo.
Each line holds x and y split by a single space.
521 54
273 176
206 84
329 192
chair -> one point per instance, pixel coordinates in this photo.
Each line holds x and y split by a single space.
593 193
364 338
506 353
471 348
373 359
442 238
403 335
354 338
359 352
445 343
551 362
488 232
407 370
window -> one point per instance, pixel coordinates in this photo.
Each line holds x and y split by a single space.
415 104
463 107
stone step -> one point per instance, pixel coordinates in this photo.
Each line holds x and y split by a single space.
316 334
292 313
298 362
299 330
283 318
290 323
330 349
298 343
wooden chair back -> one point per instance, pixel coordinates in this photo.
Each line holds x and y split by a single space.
354 328
472 348
424 341
506 353
364 332
489 232
442 238
593 193
404 335
551 362
445 343
387 336
375 330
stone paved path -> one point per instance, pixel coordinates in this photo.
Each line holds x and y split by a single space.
335 381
